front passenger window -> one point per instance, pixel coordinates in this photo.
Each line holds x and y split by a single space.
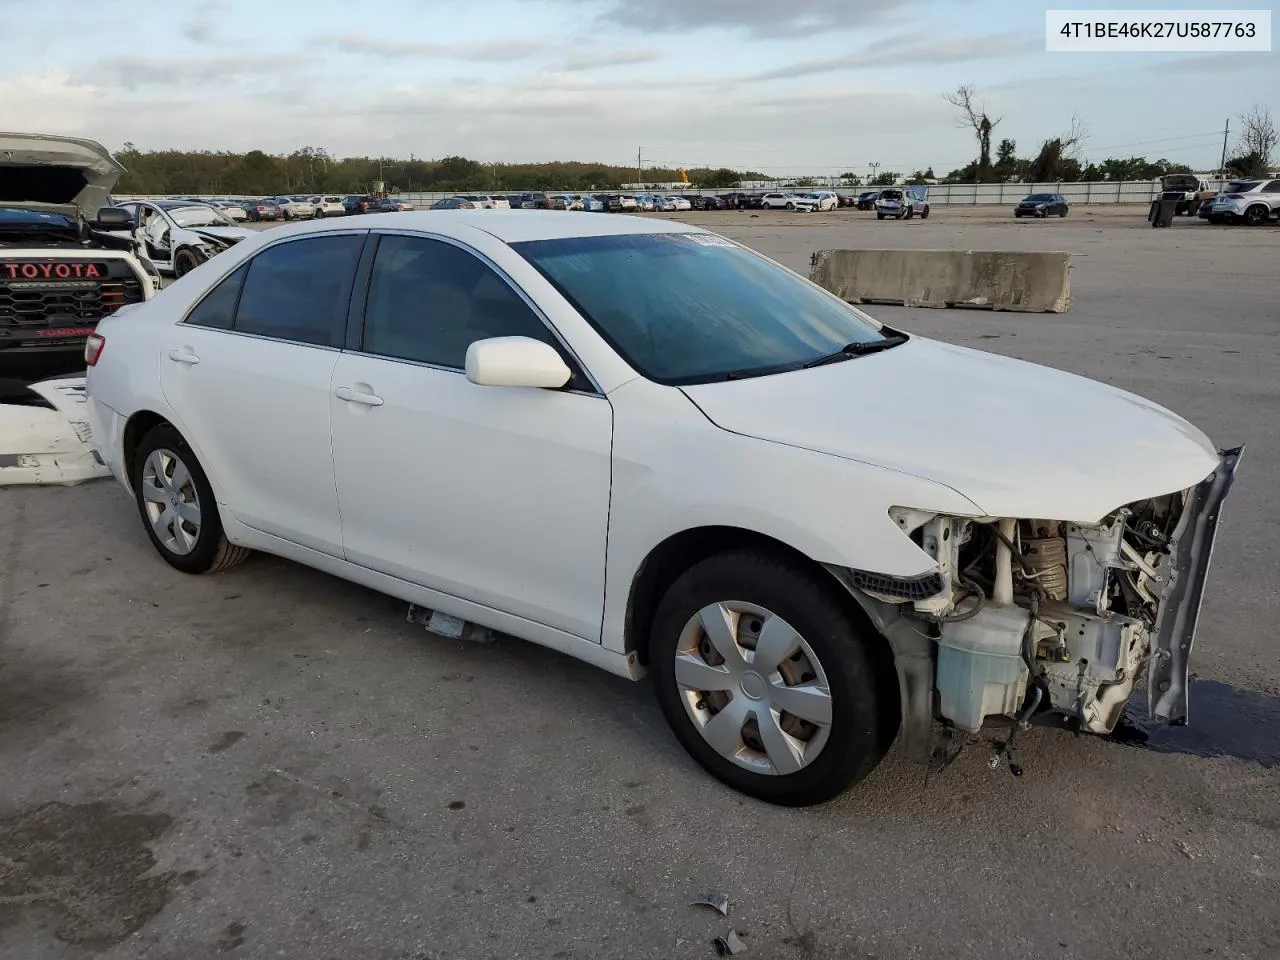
430 300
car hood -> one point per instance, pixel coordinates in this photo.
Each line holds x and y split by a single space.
1015 438
227 235
60 172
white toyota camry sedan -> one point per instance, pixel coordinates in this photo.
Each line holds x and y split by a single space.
646 446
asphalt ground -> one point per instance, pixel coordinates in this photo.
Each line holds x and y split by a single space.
273 763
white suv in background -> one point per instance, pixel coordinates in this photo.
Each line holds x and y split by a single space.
329 206
1249 201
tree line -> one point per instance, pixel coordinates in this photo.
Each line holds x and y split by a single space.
313 170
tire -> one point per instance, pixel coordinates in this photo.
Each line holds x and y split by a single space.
879 215
791 206
824 643
199 547
1257 215
1062 212
184 261
1017 215
924 214
1216 219
911 212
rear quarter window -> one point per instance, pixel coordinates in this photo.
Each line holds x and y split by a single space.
300 290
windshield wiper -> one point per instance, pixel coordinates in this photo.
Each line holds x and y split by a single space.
859 349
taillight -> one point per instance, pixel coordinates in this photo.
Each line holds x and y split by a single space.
93 347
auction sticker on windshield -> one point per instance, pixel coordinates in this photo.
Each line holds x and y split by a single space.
1157 31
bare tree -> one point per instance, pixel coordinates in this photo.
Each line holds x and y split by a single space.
973 116
1258 136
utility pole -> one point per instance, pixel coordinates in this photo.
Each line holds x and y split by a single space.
874 167
1222 167
639 185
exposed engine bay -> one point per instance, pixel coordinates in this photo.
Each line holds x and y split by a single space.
1037 614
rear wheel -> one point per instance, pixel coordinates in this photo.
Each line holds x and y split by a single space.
791 206
1256 215
177 505
924 214
767 681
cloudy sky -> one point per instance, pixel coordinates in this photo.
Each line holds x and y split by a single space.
781 86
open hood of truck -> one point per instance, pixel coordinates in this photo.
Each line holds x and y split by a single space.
61 172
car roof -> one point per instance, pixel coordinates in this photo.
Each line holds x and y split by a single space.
509 226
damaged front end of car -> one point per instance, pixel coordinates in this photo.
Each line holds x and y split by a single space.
1025 615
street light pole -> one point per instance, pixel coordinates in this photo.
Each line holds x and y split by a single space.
874 167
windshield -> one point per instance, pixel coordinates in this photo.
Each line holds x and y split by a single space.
689 308
200 217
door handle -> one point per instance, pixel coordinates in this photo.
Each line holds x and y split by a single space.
184 356
355 396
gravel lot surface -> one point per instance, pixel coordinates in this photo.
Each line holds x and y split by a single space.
272 763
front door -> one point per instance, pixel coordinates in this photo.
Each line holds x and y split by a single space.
495 495
248 373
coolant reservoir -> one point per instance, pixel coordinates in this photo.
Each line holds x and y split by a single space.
980 667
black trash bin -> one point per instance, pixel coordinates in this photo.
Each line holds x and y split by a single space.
1162 212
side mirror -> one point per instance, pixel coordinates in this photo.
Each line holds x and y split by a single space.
113 218
515 362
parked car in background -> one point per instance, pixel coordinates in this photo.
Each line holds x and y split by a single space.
1247 201
823 200
1042 205
592 204
847 200
673 204
329 206
645 202
737 200
802 581
356 203
710 202
455 203
234 209
292 208
177 235
784 201
486 202
867 200
390 205
262 210
902 203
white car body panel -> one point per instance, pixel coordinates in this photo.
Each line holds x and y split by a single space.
865 409
39 445
469 460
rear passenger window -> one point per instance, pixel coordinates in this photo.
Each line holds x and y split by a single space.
218 308
300 290
429 300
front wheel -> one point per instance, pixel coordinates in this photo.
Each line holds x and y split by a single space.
768 681
791 206
924 214
879 215
177 505
184 261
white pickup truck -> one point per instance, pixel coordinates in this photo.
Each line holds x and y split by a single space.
61 270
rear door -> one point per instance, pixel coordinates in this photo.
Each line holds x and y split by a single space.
248 374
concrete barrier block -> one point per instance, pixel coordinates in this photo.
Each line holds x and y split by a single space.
987 279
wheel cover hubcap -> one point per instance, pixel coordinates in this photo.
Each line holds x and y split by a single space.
171 501
753 688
